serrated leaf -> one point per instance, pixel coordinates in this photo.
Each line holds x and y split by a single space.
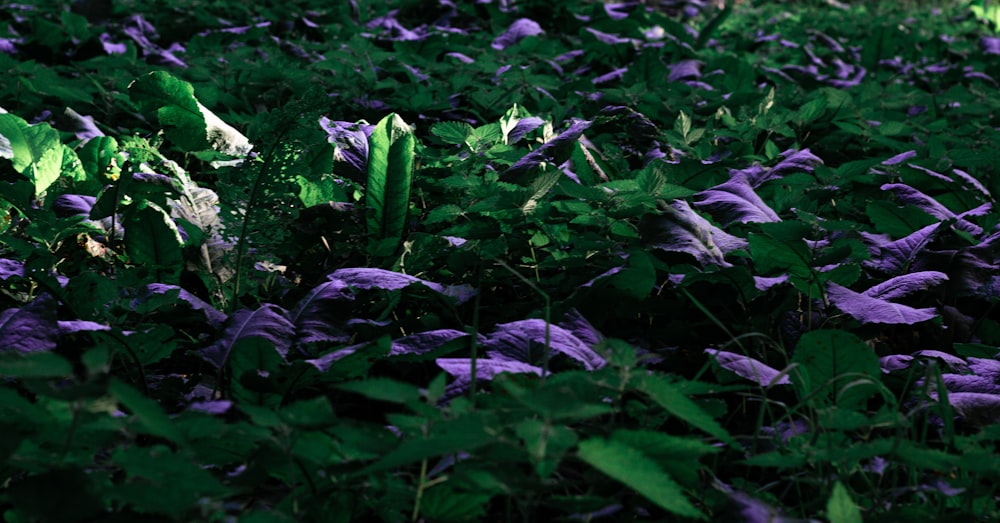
840 508
829 360
867 309
34 150
636 470
668 396
148 413
454 133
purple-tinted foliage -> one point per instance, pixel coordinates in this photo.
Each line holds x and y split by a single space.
312 314
990 45
609 76
971 181
516 340
735 201
610 39
752 510
519 30
969 269
10 268
427 341
685 70
73 204
84 127
268 323
791 161
906 194
619 10
785 430
350 145
143 33
953 362
486 369
900 158
548 150
460 57
976 407
213 316
578 326
873 310
31 328
71 326
324 362
928 172
748 368
371 278
393 30
523 127
681 229
906 284
9 45
970 383
894 256
765 283
894 362
214 408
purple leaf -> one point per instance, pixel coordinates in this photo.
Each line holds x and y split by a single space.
610 39
71 326
681 229
684 70
9 268
873 310
900 158
486 368
765 283
906 284
523 127
519 30
990 45
73 204
735 201
953 362
895 256
423 342
516 339
314 316
370 278
749 368
32 328
578 326
548 151
907 194
968 179
350 146
268 322
894 362
211 407
213 316
978 408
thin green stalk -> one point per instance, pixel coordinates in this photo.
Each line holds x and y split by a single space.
548 307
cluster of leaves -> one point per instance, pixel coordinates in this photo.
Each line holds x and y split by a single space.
321 318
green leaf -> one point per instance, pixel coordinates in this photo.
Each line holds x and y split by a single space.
34 365
840 508
147 412
667 395
545 443
383 389
34 150
828 361
445 504
453 133
633 468
390 174
152 238
449 437
176 107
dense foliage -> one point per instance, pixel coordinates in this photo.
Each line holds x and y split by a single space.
535 260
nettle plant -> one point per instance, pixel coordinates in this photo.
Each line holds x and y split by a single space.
544 288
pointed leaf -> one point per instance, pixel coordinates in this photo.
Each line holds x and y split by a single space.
828 361
669 396
268 323
34 150
371 278
637 471
152 238
749 368
873 310
906 284
736 201
840 508
516 340
681 229
390 174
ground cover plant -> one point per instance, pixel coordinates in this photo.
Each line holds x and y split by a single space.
499 261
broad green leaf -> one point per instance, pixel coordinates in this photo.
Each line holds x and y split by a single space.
151 238
454 133
448 437
636 470
840 508
545 443
828 360
34 150
383 389
146 411
445 504
34 365
188 124
667 395
390 174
